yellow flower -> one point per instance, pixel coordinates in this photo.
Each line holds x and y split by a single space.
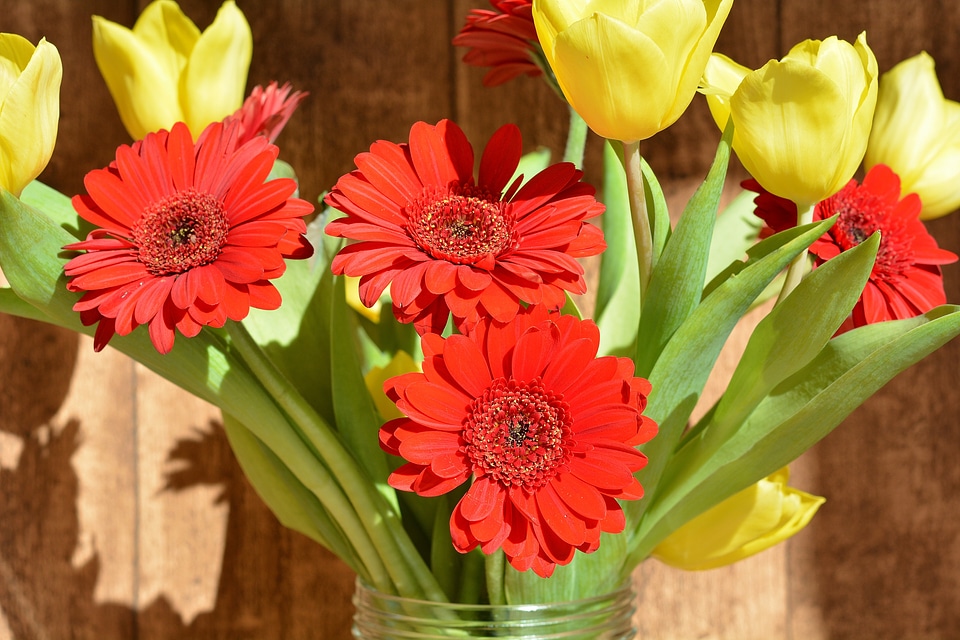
746 523
165 71
400 363
801 123
29 109
629 67
916 132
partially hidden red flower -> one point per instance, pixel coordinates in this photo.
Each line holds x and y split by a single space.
266 111
188 235
503 39
546 429
446 244
906 280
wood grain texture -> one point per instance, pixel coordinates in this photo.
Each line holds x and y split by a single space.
123 513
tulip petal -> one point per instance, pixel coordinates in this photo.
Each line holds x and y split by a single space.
30 109
215 78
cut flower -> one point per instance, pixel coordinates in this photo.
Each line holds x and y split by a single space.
446 243
906 279
165 70
546 429
748 522
188 234
503 39
266 111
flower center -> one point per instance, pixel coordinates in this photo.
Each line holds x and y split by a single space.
518 434
861 214
181 232
460 224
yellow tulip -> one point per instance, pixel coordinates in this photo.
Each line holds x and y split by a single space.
801 123
916 132
400 363
629 67
29 109
166 71
746 523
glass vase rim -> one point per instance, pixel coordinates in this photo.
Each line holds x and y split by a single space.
625 587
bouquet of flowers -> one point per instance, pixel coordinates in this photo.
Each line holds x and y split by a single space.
404 372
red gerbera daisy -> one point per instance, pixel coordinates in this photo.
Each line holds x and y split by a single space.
446 244
906 279
503 39
188 235
265 112
546 429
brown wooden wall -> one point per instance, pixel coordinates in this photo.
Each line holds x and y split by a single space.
124 515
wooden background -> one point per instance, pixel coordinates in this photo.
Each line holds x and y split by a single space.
124 515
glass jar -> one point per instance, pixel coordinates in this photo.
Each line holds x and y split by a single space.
381 617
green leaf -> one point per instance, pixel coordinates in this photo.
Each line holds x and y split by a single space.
656 209
357 419
793 333
617 309
55 206
676 285
294 505
797 414
681 371
302 325
736 230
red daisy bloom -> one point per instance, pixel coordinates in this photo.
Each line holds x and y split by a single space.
265 112
503 39
188 235
546 429
446 244
906 280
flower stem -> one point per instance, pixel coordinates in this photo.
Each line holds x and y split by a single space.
576 139
410 576
642 231
799 265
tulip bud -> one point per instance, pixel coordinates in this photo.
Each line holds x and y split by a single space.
631 69
29 109
746 523
165 70
801 123
916 132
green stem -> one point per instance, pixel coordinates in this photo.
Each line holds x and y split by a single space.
494 565
799 265
576 139
642 231
411 577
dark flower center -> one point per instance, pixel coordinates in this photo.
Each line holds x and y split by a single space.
181 232
460 224
518 434
861 214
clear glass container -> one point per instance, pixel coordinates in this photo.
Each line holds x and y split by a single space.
381 617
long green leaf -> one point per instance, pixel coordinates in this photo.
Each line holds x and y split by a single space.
736 230
657 210
796 415
676 285
617 310
293 504
356 416
793 333
681 371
